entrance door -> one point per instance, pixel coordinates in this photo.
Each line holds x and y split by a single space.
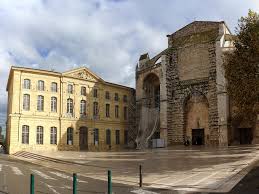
83 137
197 136
245 135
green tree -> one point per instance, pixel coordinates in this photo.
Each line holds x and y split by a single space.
241 69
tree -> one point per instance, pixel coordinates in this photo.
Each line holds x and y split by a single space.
242 69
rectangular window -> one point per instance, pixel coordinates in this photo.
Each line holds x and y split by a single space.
83 107
53 104
26 102
107 110
53 135
95 93
40 103
117 133
96 136
25 134
107 95
108 136
70 89
126 137
125 113
27 84
125 98
54 87
39 138
116 111
95 109
70 136
41 85
116 97
83 91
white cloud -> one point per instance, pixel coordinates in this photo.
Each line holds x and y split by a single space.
106 35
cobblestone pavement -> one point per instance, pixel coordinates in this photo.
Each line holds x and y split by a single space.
177 169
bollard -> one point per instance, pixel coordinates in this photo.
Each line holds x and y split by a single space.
32 184
74 183
109 182
140 175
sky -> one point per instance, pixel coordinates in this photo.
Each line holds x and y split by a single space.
105 35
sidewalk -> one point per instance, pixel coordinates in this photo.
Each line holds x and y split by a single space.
192 169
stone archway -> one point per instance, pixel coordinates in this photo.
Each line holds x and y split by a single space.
196 128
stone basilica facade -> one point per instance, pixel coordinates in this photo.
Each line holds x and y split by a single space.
186 84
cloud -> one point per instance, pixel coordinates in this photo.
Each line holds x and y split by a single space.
106 35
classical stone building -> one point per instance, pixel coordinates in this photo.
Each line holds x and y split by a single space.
184 87
74 110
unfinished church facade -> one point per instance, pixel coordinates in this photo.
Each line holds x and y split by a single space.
181 92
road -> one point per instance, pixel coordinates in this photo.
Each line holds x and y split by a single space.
15 179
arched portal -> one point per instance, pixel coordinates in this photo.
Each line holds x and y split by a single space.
83 138
197 120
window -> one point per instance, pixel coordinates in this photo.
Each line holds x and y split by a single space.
54 87
117 134
40 103
107 110
70 106
96 136
83 91
95 93
70 89
39 138
95 111
116 111
107 95
70 136
108 136
53 104
41 85
83 107
116 97
126 137
125 98
27 84
53 135
125 113
26 102
25 134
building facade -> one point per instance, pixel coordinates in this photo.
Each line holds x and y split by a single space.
185 89
74 110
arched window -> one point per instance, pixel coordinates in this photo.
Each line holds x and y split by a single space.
40 103
70 106
108 136
70 136
27 84
83 91
39 138
26 102
25 134
53 104
70 88
83 107
41 85
53 135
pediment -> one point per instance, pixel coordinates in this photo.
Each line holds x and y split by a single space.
83 73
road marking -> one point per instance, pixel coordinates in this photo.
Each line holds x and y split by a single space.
16 170
205 178
51 188
141 191
41 174
1 165
66 176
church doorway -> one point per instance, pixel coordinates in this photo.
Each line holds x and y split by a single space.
198 137
83 138
245 135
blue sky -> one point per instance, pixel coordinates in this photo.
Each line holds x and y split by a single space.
106 35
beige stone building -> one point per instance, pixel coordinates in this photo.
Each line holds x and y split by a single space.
74 110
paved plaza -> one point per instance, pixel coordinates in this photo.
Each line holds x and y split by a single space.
177 169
